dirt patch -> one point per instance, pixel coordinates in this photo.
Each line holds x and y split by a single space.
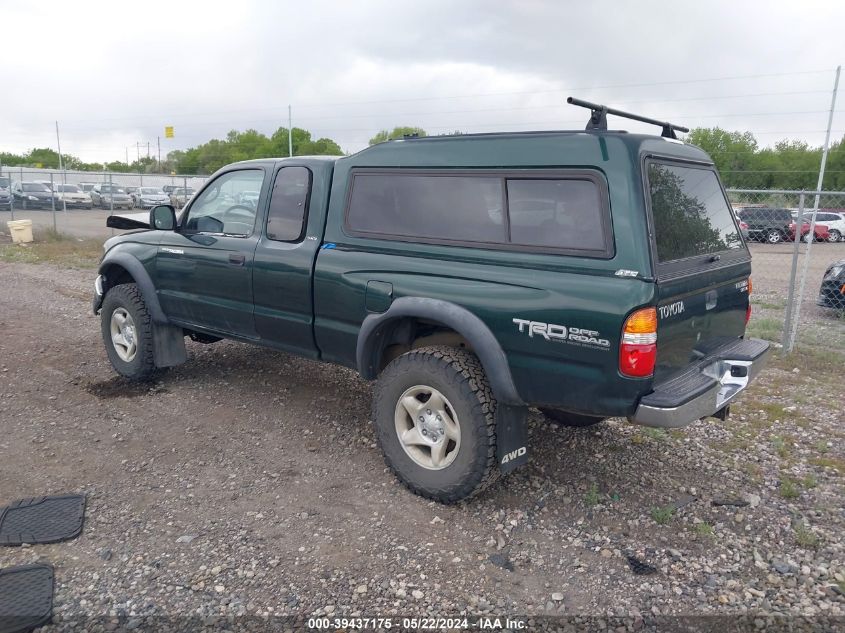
119 387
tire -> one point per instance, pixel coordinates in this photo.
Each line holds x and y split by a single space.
774 236
466 398
24 205
126 300
564 418
835 235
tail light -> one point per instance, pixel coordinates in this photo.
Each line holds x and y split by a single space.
748 308
638 352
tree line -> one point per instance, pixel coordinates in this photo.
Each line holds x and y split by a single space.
742 163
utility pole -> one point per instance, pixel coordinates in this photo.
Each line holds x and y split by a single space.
127 155
158 144
138 150
148 150
290 133
61 169
826 142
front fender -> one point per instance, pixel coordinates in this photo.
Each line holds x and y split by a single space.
115 260
474 330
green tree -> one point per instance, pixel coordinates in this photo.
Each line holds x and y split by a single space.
397 133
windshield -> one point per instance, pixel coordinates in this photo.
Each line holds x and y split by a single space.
691 215
69 188
111 189
151 191
4 183
35 186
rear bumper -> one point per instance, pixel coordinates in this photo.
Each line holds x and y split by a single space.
705 388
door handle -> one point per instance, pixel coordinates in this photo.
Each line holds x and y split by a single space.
237 259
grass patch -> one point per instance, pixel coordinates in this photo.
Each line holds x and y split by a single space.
592 497
659 435
54 247
662 514
788 488
781 447
821 446
809 481
829 462
767 328
703 529
804 536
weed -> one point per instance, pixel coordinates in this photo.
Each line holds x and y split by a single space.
805 537
704 529
822 447
829 462
662 514
592 496
788 489
658 435
809 481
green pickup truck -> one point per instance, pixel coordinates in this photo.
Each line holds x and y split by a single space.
591 274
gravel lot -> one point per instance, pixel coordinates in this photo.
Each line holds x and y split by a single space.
247 482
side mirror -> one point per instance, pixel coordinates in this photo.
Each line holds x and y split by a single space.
163 218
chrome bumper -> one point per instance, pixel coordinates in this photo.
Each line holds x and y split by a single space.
729 377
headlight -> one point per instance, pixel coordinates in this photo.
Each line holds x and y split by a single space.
31 198
835 271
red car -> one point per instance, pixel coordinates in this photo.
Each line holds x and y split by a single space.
820 232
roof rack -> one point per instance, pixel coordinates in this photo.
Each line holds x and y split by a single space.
598 118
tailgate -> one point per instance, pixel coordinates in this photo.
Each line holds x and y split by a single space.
695 315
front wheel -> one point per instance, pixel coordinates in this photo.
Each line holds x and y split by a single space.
434 415
835 236
564 418
127 330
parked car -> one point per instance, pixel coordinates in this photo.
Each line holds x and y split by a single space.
835 222
5 192
73 196
471 276
110 196
832 290
130 190
766 224
743 228
248 198
33 195
149 197
820 232
87 186
168 189
180 195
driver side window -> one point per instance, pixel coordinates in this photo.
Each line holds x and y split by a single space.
228 205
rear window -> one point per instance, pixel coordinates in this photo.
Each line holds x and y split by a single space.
691 216
547 213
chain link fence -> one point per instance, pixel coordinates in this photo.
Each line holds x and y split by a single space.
797 240
79 201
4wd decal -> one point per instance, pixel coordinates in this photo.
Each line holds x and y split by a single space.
673 309
562 333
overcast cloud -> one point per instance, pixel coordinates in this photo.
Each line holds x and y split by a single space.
115 73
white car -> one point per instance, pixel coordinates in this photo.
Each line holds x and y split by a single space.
835 221
73 196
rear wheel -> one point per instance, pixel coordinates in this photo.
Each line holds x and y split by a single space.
565 418
434 415
835 235
774 236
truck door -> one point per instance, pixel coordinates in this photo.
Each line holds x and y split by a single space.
284 260
204 270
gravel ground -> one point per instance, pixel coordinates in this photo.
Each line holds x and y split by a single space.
247 483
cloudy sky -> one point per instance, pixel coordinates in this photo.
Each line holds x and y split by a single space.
114 74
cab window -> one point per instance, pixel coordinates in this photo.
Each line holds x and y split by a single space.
228 205
289 204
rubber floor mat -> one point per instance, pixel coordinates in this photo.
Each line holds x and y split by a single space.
26 597
42 520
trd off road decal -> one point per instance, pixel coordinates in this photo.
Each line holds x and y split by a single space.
562 333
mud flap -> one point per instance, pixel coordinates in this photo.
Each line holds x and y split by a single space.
511 436
168 345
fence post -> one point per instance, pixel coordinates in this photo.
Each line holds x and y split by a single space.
111 196
53 201
811 239
11 197
185 190
787 323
